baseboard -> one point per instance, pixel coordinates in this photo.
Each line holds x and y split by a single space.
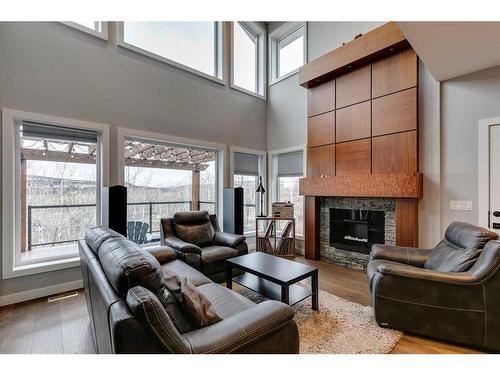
40 292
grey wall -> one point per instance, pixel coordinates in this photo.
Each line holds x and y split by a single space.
287 116
464 101
52 69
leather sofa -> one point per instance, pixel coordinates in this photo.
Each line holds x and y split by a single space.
450 292
131 311
198 241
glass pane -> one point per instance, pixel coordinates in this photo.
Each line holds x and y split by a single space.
288 191
245 58
188 43
93 25
291 56
208 188
249 185
58 196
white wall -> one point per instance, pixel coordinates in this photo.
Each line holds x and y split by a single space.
52 69
465 101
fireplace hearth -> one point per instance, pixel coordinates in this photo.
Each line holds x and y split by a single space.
356 229
350 246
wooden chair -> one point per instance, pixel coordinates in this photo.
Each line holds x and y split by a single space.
137 231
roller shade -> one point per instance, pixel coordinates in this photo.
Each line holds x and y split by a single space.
246 164
291 164
58 133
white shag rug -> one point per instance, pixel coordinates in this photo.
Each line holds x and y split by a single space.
338 327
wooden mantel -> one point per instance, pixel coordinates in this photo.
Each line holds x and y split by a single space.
383 40
397 185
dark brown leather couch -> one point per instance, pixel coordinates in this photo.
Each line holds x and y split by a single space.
131 311
198 241
451 292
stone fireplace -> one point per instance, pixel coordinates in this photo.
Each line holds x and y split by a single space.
350 225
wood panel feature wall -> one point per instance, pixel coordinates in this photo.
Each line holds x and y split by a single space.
321 161
353 158
407 222
321 129
353 122
363 125
321 99
353 87
395 112
395 153
311 228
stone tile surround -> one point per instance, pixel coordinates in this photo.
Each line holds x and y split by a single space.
349 258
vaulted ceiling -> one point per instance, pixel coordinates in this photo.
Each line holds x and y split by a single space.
453 49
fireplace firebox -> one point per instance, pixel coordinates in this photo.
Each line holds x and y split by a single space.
356 229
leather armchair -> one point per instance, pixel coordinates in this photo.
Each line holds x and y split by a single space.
449 292
198 241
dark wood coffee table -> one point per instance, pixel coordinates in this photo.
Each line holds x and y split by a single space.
274 277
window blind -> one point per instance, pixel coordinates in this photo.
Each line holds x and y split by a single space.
291 164
246 164
58 133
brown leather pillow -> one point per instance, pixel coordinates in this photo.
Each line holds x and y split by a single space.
195 305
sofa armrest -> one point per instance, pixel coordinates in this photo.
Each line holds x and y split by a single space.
422 274
163 254
181 246
228 239
406 255
240 329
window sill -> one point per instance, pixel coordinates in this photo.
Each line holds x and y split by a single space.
248 92
282 78
98 34
164 60
41 267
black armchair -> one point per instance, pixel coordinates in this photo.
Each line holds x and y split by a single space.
197 239
449 292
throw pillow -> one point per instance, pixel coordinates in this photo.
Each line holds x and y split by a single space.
195 305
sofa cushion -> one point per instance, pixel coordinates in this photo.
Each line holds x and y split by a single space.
214 257
460 248
127 265
95 237
148 310
194 304
226 302
194 227
195 277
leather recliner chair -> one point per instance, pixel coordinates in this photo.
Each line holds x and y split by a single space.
451 292
198 240
132 311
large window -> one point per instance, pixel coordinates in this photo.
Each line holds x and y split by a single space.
247 170
288 50
55 170
96 28
195 46
248 57
288 169
163 179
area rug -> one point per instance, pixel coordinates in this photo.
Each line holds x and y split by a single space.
339 327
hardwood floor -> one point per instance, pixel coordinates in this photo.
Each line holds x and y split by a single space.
63 326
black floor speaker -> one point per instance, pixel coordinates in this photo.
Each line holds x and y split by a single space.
114 208
233 210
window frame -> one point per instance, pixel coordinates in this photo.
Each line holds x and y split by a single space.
11 195
127 133
219 53
273 173
99 34
259 32
286 33
262 172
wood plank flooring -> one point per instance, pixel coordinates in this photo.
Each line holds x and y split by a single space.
63 326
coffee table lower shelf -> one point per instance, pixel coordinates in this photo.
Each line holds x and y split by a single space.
271 290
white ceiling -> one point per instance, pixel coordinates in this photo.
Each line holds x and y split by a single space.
452 49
